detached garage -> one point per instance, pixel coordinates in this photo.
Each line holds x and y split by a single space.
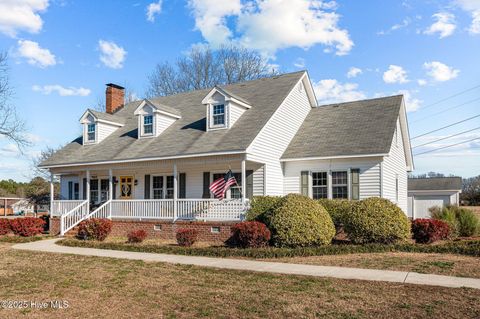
424 193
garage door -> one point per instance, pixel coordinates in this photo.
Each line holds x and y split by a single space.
423 203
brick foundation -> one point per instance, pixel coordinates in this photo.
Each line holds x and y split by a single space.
167 229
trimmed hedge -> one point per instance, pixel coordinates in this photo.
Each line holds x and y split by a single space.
426 231
94 229
4 226
299 221
376 220
337 209
27 226
260 206
249 234
468 248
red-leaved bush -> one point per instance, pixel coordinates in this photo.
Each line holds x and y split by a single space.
186 237
27 227
136 236
5 227
250 234
427 231
95 228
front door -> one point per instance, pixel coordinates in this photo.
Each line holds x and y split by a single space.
126 187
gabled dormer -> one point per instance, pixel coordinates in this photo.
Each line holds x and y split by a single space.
97 126
154 118
223 108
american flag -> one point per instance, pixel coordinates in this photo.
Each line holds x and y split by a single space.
221 185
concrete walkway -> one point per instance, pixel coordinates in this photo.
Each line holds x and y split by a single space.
261 266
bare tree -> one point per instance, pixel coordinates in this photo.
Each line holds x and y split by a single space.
11 126
203 67
130 96
36 161
471 190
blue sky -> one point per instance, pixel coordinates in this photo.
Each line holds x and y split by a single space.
61 54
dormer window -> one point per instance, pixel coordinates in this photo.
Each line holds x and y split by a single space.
219 115
148 125
91 132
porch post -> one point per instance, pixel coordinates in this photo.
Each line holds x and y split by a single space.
110 191
175 190
52 194
244 181
88 191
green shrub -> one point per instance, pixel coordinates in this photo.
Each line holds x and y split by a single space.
260 206
467 221
376 220
337 208
446 214
299 221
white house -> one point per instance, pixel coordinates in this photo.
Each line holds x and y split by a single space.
424 193
158 156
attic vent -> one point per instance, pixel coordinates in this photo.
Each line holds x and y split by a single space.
300 87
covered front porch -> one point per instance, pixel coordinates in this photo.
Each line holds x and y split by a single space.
176 189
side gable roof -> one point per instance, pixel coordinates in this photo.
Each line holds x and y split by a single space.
435 183
187 136
106 117
159 107
349 129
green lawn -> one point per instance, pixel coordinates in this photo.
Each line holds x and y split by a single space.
101 287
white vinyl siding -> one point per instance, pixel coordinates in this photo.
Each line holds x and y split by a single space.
235 112
273 139
64 180
394 166
369 173
163 122
259 182
104 130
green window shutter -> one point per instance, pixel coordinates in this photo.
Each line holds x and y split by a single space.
304 183
147 187
182 186
70 190
355 183
249 184
206 185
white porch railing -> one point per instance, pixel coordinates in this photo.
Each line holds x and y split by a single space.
73 217
143 209
61 207
101 212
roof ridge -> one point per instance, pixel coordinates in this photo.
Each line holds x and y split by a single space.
362 100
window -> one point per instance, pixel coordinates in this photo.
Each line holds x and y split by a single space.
219 115
235 191
339 185
215 229
94 190
169 190
76 191
70 190
157 187
104 184
148 124
319 184
91 132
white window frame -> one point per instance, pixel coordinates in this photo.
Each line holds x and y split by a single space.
151 124
326 185
346 185
87 133
212 116
164 186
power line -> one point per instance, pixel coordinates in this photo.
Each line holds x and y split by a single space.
452 145
444 138
439 129
443 111
449 97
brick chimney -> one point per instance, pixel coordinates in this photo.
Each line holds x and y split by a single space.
114 97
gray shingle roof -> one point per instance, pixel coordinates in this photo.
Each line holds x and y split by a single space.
187 136
165 108
435 183
346 129
107 116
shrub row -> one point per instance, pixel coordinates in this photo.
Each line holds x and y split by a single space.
469 248
94 229
462 222
25 227
426 231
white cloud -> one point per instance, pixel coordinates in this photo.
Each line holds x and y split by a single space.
469 5
444 25
111 55
35 55
153 9
440 72
332 91
475 26
62 91
473 7
395 74
422 82
17 15
353 72
411 104
270 25
299 63
11 149
405 23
